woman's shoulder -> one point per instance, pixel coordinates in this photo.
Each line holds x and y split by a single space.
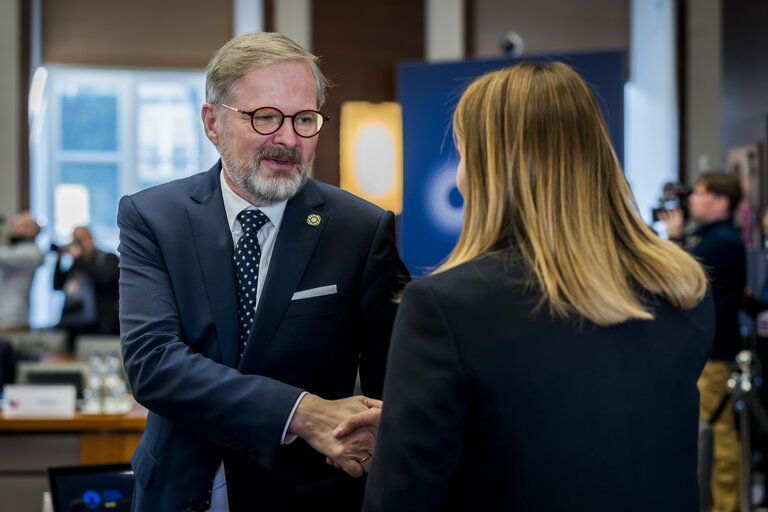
483 274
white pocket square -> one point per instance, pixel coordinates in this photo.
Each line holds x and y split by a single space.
315 292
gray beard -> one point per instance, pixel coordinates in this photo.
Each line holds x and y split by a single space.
268 190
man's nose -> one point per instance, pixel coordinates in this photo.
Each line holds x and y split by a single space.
285 135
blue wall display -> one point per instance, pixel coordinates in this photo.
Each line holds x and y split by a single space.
432 214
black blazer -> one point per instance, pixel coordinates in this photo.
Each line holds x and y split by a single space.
492 405
178 319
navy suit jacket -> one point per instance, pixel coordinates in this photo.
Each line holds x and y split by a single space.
178 312
492 404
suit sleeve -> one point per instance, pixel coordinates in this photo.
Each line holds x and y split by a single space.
383 278
25 258
212 400
425 402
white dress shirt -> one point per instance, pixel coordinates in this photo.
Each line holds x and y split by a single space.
233 205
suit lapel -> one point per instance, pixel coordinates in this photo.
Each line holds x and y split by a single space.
213 243
294 246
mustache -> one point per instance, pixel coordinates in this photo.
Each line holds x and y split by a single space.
274 153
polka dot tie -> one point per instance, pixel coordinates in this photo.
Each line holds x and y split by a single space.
246 261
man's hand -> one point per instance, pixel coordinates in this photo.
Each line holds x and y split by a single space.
674 221
314 421
75 250
365 420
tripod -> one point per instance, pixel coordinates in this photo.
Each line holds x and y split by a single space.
740 387
749 408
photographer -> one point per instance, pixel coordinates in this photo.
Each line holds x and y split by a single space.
18 262
90 287
716 243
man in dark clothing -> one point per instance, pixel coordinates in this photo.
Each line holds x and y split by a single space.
90 286
719 248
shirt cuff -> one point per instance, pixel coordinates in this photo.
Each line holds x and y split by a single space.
289 438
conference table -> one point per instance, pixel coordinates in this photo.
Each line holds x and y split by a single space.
28 446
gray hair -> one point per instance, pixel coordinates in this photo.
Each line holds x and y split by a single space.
250 51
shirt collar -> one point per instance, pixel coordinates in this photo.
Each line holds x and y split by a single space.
234 204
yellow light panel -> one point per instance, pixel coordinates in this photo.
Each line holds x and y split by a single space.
371 152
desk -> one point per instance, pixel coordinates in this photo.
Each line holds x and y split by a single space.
28 446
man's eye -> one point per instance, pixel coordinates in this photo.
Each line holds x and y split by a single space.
305 119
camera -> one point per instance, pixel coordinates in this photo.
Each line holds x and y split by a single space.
59 248
512 45
674 196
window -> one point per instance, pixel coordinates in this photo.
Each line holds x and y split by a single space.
98 135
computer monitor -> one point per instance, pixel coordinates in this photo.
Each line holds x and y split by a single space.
37 342
87 344
94 487
52 372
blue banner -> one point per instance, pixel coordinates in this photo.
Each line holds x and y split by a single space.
432 214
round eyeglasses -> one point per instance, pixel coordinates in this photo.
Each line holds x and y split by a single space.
267 120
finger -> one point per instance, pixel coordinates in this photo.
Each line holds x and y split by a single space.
332 462
372 402
362 419
352 468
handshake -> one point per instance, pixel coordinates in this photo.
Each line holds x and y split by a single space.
343 430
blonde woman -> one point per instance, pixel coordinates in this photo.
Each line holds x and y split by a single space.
550 363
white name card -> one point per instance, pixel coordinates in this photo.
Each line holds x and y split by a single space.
25 400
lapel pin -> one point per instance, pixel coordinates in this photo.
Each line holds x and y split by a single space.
313 219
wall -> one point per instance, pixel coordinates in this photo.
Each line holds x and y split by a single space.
551 25
359 52
546 26
745 73
139 33
702 100
445 35
651 156
9 109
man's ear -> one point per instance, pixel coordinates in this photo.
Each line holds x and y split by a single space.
724 204
210 123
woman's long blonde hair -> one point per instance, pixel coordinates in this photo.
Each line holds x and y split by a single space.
541 176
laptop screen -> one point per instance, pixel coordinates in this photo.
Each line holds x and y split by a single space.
101 487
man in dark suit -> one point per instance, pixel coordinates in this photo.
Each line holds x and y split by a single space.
250 295
718 246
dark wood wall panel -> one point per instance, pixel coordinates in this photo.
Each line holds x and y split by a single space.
138 33
745 74
360 44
